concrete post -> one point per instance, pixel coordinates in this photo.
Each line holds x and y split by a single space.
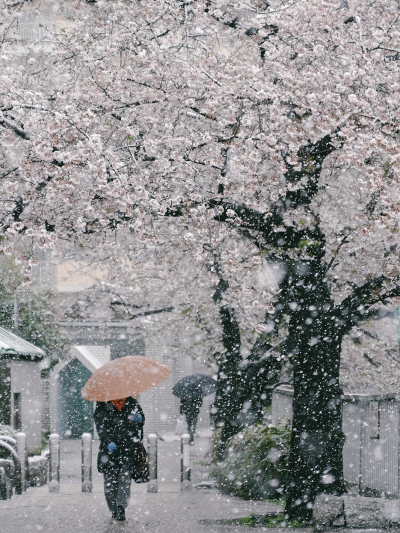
87 484
152 485
54 470
21 451
185 463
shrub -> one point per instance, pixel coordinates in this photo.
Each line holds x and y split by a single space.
256 464
7 431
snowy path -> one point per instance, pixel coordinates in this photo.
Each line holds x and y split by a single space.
168 511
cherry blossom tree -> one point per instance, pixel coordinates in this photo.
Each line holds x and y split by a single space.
276 124
27 312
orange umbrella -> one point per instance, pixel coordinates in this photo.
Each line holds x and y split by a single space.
127 376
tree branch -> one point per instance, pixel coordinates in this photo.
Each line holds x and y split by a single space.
146 313
8 173
344 240
312 157
356 306
9 125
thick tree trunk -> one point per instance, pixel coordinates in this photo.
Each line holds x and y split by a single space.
315 461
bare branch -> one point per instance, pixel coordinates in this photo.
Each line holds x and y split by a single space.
146 313
357 306
20 132
8 173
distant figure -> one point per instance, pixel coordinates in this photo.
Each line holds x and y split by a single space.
191 391
119 424
190 407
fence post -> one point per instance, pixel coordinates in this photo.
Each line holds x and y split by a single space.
21 451
54 472
185 463
87 484
152 485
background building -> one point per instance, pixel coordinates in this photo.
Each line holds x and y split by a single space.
87 317
20 387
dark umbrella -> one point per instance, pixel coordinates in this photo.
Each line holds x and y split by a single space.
195 385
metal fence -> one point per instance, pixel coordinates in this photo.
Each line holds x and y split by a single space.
371 424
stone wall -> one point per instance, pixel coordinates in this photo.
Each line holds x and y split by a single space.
355 512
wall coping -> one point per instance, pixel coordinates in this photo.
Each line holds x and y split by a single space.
349 397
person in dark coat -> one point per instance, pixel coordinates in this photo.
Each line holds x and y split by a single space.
190 407
119 424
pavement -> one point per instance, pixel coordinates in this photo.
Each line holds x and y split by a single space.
168 511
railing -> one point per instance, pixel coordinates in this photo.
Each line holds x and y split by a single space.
152 485
10 475
54 463
86 463
186 466
87 484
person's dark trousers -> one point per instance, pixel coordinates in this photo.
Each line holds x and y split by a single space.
117 488
192 422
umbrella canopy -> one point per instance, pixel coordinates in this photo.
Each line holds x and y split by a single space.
194 385
127 376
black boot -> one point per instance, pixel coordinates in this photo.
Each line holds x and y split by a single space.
119 514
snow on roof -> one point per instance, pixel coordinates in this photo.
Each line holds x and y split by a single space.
12 345
90 356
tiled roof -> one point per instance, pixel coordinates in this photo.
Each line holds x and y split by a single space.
14 346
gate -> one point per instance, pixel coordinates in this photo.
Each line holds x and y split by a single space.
371 450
